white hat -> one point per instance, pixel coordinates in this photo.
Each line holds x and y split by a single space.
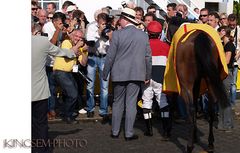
129 14
71 8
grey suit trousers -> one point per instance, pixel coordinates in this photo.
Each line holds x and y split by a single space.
125 96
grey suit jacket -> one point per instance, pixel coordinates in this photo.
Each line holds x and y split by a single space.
41 47
129 57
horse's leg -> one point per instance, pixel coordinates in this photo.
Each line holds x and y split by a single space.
187 95
196 89
211 119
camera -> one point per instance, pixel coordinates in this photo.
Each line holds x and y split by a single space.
44 34
106 30
179 14
65 25
108 27
89 43
77 26
78 20
124 4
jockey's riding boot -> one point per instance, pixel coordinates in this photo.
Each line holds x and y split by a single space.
147 117
166 123
148 131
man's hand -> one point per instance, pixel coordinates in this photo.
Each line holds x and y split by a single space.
109 34
76 50
147 82
85 47
237 55
79 44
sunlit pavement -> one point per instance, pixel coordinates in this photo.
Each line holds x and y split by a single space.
90 136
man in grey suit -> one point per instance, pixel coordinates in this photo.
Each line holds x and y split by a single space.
41 47
130 62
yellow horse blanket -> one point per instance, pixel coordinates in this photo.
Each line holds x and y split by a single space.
171 82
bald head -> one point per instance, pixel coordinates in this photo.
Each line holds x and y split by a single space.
76 35
42 15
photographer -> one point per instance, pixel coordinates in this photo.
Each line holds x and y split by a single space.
98 46
175 21
77 21
62 71
54 30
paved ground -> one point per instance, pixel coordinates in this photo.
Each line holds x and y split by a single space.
95 138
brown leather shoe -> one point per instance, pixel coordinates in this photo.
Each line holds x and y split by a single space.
51 115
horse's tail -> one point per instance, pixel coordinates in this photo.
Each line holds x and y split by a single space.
209 68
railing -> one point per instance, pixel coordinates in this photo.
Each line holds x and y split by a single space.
192 4
161 3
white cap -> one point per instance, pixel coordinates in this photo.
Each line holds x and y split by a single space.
71 8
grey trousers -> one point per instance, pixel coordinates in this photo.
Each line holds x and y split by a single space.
125 97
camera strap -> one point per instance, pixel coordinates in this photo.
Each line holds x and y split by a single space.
235 36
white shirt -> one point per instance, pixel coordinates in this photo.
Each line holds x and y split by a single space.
238 37
49 29
92 34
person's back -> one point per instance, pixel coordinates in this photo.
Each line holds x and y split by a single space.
154 88
134 43
39 78
160 51
41 48
129 60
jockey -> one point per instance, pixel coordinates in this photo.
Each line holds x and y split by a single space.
154 87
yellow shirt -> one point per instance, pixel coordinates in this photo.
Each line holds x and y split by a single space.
66 64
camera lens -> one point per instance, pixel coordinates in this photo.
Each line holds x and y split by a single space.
66 25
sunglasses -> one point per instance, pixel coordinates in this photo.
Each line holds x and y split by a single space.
34 9
152 12
49 17
223 18
203 15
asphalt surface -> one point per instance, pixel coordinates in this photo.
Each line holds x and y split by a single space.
90 136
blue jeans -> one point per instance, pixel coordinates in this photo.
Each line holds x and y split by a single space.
70 90
233 89
52 86
94 63
225 114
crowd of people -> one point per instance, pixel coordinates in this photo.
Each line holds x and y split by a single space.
130 49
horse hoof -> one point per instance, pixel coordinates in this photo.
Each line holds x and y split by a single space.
189 149
210 149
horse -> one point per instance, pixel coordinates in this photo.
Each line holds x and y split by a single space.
197 63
